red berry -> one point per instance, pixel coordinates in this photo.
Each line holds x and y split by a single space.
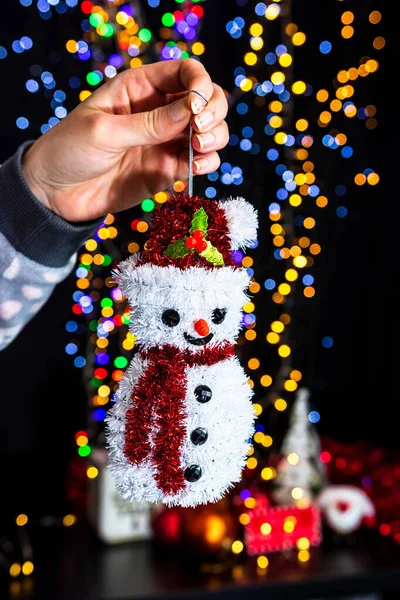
201 246
191 242
198 235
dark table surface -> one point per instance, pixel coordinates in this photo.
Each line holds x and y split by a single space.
71 564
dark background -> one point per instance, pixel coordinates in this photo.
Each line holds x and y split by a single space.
43 402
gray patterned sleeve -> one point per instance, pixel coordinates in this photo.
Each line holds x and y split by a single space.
37 249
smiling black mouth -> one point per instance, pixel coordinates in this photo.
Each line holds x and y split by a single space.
198 341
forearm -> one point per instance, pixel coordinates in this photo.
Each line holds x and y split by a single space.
37 250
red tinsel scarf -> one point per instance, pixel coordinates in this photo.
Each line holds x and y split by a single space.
159 406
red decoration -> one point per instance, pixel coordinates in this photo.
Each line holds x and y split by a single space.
376 471
159 400
166 525
201 245
266 530
201 327
173 221
191 242
198 235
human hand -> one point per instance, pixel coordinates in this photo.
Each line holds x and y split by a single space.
128 141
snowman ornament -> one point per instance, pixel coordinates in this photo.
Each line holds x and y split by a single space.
182 419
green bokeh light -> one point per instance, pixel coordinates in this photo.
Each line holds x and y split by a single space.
148 205
107 260
96 20
84 451
92 78
168 19
144 35
120 362
106 302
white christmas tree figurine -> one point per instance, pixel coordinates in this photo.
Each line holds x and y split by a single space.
299 474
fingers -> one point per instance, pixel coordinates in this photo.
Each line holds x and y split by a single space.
215 139
178 76
214 113
206 163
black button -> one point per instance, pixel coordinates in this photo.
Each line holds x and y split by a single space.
170 317
203 393
193 473
199 436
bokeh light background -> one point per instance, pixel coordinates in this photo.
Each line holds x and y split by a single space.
307 95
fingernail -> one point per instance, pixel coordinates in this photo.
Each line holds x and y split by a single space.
196 103
200 164
203 120
206 140
179 110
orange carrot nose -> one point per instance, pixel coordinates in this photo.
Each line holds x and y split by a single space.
202 328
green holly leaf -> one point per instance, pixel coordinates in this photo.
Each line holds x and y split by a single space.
200 221
213 255
178 249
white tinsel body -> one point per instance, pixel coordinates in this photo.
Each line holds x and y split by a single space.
228 418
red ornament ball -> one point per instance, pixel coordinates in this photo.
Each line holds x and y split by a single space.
198 235
201 245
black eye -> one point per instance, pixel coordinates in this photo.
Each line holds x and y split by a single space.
170 317
218 315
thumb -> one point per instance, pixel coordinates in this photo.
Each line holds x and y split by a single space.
152 127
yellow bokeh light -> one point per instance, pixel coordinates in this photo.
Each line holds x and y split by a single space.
256 43
371 66
84 94
341 139
250 502
303 543
342 76
244 519
258 437
265 529
253 364
291 274
297 493
322 95
301 124
69 520
285 60
82 440
268 473
142 226
284 289
347 17
72 46
301 154
379 43
272 12
288 526
299 87
250 335
284 350
133 247
290 385
179 186
280 404
325 116
135 62
160 197
300 262
128 344
104 391
246 84
303 556
298 38
278 240
257 409
275 121
295 200
293 459
15 570
276 229
278 77
335 105
284 253
256 29
280 137
275 106
267 441
266 380
347 32
272 337
248 307
262 562
277 326
21 520
309 223
92 472
250 58
27 568
252 462
373 178
375 17
198 48
237 547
